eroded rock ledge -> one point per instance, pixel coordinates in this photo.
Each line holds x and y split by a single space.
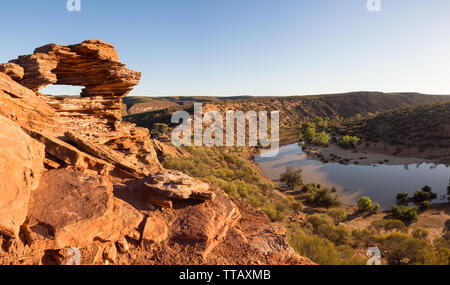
73 175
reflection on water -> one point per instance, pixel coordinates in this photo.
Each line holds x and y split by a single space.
380 182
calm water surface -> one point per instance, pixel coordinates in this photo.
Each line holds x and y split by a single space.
380 182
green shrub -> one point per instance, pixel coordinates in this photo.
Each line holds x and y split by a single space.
311 187
375 208
420 233
292 177
404 213
321 138
348 141
308 131
426 188
319 250
442 249
321 122
391 225
424 195
361 237
365 204
270 210
395 225
323 198
298 206
399 248
324 226
159 129
402 196
425 205
338 215
234 175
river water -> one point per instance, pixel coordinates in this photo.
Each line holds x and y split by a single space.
380 182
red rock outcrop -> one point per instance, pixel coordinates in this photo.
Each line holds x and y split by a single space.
13 70
104 182
96 116
21 166
163 149
155 230
93 64
177 185
23 106
71 209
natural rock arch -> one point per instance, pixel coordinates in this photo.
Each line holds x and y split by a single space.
93 64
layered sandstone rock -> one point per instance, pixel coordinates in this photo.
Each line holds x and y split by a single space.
21 166
13 70
163 149
208 223
255 240
96 116
69 155
109 155
93 64
177 185
71 209
155 230
23 106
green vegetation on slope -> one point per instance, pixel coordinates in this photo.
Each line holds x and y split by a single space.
322 237
236 176
423 126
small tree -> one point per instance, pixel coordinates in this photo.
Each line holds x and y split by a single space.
318 121
338 215
322 138
400 248
424 195
348 141
420 233
159 129
395 225
375 207
404 213
292 177
402 196
426 188
425 205
365 204
323 198
309 131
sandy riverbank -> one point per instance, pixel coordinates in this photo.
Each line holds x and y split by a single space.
360 155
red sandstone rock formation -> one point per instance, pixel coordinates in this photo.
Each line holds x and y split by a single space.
21 166
93 64
70 209
13 70
96 117
103 177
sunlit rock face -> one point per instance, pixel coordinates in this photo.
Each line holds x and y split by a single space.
93 64
95 115
73 174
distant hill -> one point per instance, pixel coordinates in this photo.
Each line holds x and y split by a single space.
423 126
293 109
136 105
141 104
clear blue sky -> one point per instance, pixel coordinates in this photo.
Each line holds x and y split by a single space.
250 47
